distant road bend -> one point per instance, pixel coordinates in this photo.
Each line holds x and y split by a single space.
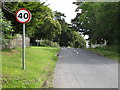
78 68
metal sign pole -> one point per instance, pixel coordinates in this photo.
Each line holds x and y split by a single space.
23 50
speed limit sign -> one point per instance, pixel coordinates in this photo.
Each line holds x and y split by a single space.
23 15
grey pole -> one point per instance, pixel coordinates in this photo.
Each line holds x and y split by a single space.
23 50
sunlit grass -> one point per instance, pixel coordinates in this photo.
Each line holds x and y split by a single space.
40 64
107 52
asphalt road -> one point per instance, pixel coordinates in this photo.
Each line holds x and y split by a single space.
78 68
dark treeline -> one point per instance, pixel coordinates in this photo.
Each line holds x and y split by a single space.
99 20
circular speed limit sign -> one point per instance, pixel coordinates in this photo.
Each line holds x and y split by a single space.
23 15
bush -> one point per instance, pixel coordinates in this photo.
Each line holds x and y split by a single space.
109 48
4 42
47 43
78 41
7 29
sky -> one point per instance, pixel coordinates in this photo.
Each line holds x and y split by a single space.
63 6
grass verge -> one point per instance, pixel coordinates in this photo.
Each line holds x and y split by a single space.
107 52
40 64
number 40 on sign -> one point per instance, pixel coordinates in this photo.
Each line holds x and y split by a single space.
23 15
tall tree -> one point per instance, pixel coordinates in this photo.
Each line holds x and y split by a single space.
99 20
68 36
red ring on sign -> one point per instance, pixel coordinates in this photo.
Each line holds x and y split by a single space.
29 15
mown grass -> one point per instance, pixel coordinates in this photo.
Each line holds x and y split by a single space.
110 52
40 64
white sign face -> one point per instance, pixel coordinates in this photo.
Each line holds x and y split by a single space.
23 15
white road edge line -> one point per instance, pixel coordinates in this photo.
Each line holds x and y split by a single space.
77 52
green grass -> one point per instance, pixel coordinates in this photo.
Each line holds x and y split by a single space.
109 52
40 64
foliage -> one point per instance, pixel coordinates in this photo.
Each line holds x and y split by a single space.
40 64
49 29
77 41
99 20
68 36
47 43
7 29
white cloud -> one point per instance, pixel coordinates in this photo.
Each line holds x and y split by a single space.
63 6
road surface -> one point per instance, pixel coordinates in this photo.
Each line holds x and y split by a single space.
78 68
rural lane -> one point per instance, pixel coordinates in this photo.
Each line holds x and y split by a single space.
78 68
